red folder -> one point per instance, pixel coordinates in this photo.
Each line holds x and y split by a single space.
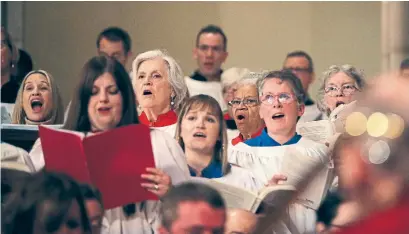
112 161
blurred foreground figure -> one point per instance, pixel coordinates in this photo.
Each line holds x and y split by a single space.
240 222
373 158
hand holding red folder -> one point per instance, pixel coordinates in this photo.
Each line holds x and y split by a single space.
113 161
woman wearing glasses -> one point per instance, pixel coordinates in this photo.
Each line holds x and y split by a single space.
281 96
245 108
339 86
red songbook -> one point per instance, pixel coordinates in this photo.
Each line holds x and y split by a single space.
112 161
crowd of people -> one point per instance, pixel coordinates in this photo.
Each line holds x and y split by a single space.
198 124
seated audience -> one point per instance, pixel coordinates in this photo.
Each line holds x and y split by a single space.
240 222
38 100
201 132
192 208
281 95
210 53
104 83
301 64
245 107
93 204
46 203
229 79
9 58
404 68
339 86
160 89
24 65
374 171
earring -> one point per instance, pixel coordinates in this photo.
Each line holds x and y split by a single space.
172 102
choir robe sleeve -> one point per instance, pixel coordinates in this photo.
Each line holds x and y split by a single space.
36 155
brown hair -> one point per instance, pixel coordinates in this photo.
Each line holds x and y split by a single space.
203 102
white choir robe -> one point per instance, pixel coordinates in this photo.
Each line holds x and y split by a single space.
211 88
266 161
169 157
170 129
311 113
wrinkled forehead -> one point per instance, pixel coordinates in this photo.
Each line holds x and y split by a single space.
247 90
340 78
276 85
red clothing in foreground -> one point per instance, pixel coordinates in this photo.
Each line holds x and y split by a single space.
391 221
163 120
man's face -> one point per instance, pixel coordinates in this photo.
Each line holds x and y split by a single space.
210 54
198 217
301 68
279 107
113 49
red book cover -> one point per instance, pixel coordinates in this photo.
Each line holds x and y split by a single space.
112 161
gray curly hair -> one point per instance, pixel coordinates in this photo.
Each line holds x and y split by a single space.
175 75
349 70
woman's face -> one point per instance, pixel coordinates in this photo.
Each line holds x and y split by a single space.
37 98
152 85
339 89
71 223
200 130
105 104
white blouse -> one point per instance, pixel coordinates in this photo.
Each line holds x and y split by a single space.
169 157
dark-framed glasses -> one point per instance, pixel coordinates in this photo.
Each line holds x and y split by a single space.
346 90
283 98
250 102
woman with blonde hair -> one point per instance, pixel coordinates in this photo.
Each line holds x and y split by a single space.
38 100
160 89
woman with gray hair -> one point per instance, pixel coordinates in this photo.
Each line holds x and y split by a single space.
160 89
339 86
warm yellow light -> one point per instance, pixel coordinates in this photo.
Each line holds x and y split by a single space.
377 124
395 127
355 124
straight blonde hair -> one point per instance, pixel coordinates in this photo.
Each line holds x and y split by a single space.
57 112
204 102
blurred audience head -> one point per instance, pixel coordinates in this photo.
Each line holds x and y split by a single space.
103 99
46 203
245 105
94 206
115 42
158 82
372 155
339 86
38 100
210 51
9 54
201 128
282 102
300 63
24 66
404 68
240 222
192 208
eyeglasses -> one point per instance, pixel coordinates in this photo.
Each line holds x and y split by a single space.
283 98
346 90
250 102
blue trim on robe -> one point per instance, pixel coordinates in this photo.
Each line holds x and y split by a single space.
264 140
213 170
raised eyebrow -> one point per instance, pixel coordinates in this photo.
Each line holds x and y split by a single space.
45 82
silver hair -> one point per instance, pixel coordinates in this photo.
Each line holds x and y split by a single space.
175 75
350 71
250 80
284 75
